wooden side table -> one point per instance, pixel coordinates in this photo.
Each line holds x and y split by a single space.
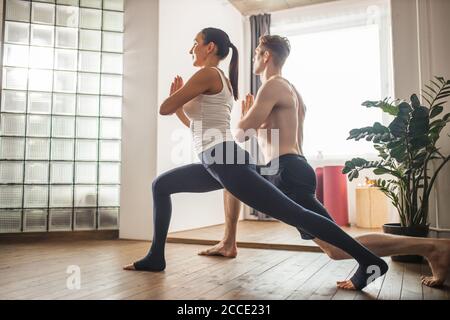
372 209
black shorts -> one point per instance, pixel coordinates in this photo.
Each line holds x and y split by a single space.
296 179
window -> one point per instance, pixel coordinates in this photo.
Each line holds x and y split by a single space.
339 59
61 100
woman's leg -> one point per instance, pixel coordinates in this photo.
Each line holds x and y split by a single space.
246 184
189 178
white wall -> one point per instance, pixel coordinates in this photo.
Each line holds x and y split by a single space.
179 23
421 51
1 26
139 118
439 21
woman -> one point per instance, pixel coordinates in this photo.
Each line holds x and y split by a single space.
206 99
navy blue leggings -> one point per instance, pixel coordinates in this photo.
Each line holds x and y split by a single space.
246 184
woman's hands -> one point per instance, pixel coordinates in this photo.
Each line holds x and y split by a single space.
176 85
247 104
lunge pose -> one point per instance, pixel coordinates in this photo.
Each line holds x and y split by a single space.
296 178
206 99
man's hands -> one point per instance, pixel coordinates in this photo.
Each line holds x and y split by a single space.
177 84
247 104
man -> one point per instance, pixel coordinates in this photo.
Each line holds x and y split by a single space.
296 178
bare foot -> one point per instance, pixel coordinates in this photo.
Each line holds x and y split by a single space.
221 249
346 284
439 260
129 267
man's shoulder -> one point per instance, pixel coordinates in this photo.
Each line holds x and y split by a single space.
273 86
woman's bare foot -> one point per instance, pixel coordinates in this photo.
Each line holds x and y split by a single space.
346 284
129 267
439 260
221 249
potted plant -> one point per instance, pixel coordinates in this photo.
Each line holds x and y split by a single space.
405 148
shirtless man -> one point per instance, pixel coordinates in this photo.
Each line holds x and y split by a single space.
295 176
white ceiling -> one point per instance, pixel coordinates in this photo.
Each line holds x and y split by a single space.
250 7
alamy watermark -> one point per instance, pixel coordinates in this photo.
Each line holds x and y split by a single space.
184 150
374 280
73 282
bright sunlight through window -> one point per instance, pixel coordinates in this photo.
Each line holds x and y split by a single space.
335 71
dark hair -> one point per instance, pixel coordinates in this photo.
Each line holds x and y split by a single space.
223 44
278 46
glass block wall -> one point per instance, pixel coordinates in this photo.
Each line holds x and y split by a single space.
61 106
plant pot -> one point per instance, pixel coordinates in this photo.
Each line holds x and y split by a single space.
413 231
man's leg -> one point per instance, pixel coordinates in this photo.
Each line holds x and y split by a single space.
436 251
227 247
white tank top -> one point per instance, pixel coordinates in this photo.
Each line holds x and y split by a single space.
210 116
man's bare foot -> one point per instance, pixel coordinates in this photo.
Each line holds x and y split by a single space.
129 267
221 249
439 260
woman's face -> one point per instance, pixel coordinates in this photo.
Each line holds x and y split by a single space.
199 51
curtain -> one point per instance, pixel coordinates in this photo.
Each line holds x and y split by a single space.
259 26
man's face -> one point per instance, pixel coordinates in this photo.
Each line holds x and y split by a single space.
259 60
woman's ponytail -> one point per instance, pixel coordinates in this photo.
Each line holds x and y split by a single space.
223 43
234 71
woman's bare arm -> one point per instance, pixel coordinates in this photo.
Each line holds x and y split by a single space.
198 84
183 118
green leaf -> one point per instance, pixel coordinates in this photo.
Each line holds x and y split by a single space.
428 94
420 142
404 108
446 117
353 175
431 89
415 102
386 137
383 105
442 95
426 99
436 85
360 136
346 170
354 133
379 128
359 162
440 79
420 156
380 171
436 111
436 122
349 164
399 153
394 144
398 127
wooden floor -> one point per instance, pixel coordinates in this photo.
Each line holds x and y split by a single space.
257 234
38 271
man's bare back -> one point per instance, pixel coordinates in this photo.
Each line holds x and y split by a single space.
288 113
